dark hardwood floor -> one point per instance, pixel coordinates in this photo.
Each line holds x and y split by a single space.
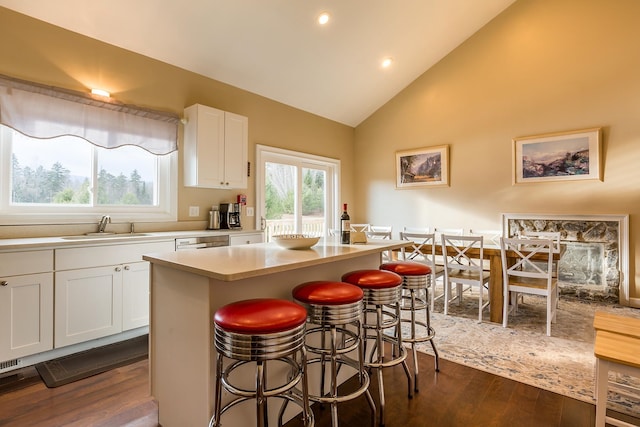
456 396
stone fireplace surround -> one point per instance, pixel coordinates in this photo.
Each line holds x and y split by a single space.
606 236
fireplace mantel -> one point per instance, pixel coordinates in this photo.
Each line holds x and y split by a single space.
575 223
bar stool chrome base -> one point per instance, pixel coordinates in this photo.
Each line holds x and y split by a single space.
382 294
415 297
257 350
416 281
334 331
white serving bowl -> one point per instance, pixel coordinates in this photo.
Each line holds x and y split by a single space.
295 241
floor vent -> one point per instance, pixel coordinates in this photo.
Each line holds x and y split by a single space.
9 364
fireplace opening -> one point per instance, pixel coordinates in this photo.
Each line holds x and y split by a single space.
590 267
581 269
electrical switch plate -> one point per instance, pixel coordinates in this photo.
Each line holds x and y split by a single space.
194 210
249 211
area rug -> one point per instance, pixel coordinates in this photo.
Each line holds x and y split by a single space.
563 363
77 366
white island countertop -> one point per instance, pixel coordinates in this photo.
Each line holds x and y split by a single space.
231 263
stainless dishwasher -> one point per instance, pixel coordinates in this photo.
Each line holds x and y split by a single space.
201 242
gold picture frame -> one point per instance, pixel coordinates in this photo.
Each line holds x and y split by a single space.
423 167
562 156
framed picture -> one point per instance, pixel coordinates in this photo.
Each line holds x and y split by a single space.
561 156
423 167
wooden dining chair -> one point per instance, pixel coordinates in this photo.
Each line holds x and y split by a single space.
491 237
423 250
381 232
524 275
556 237
463 266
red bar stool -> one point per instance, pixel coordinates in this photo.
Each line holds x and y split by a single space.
382 295
260 332
416 281
335 309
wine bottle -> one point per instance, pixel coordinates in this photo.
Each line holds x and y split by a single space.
345 226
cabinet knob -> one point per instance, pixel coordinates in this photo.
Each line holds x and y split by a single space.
118 269
4 283
126 267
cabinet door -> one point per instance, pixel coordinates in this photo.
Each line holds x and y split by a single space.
135 295
88 304
215 148
236 129
204 147
26 315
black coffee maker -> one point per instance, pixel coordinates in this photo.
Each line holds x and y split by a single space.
230 215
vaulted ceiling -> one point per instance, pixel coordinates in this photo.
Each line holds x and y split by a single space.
277 49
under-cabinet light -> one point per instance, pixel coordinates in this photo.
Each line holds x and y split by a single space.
100 92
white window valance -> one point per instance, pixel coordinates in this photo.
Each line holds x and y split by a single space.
40 111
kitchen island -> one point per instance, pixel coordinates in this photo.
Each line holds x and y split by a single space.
187 287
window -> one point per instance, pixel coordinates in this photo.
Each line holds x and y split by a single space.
68 157
296 192
70 179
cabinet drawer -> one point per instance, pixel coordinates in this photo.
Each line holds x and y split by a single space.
245 239
96 256
19 263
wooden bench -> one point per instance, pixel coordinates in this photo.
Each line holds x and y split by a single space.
617 349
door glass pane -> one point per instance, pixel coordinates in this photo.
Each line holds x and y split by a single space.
313 202
280 183
126 176
50 171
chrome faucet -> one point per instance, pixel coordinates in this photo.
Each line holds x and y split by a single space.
106 219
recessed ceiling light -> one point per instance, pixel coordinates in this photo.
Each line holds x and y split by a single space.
323 18
386 62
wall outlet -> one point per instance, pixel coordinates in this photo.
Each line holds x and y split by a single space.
249 211
194 210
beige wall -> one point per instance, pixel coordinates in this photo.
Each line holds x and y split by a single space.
36 51
541 66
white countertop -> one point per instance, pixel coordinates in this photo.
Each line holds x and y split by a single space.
240 262
34 243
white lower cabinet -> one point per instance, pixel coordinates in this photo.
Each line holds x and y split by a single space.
94 302
135 295
88 304
26 315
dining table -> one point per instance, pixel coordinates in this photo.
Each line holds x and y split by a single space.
492 253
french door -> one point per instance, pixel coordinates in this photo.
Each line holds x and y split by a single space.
296 192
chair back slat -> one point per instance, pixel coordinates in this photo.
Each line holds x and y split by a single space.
525 264
380 232
359 227
461 258
491 237
422 247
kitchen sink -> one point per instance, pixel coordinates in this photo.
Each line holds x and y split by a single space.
89 236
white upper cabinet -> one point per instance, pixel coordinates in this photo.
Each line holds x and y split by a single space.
215 148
